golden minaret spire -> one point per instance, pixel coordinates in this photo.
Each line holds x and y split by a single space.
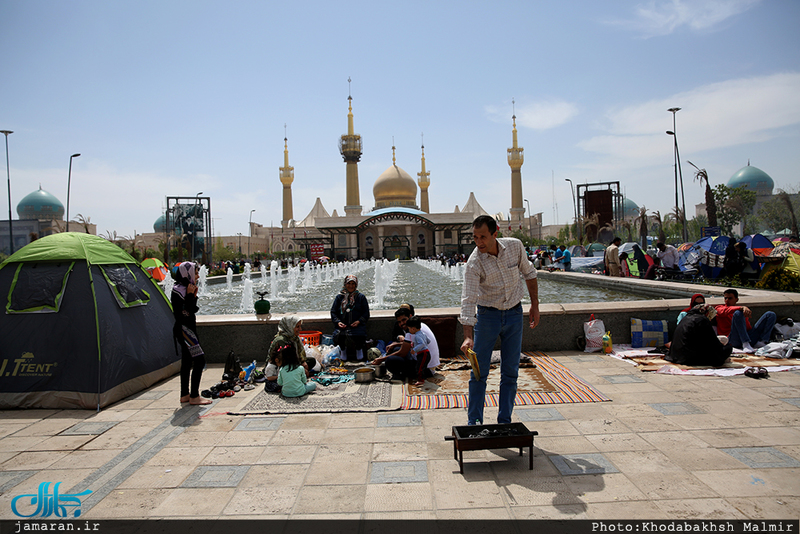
350 149
424 182
287 177
515 160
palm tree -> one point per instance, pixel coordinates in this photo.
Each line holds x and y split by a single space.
590 224
625 225
641 222
662 236
784 196
711 205
84 221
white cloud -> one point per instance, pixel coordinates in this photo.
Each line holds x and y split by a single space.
657 18
712 116
542 115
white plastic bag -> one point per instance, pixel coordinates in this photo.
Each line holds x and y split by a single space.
594 330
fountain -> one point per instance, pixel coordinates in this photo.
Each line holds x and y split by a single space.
202 282
246 305
273 279
246 271
229 278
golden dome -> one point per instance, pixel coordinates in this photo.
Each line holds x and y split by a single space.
395 187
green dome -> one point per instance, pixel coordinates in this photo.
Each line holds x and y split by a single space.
754 179
40 205
160 225
630 208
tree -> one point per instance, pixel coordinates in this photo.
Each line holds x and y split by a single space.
641 222
662 237
729 214
711 206
590 226
784 197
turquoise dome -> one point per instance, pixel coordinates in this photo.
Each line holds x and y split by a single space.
160 225
754 179
40 205
629 208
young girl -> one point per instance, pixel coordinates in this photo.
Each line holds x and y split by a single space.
292 375
184 308
271 374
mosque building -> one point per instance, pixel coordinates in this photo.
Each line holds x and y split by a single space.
39 214
399 225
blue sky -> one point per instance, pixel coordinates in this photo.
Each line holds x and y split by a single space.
172 98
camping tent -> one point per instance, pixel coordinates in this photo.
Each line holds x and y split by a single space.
784 256
638 262
84 325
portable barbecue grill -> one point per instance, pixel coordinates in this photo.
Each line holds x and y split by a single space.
482 437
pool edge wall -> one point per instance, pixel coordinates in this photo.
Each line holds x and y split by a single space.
249 336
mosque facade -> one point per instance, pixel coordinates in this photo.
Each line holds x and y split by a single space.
400 224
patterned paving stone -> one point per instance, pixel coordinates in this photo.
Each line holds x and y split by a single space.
9 479
260 423
583 464
539 414
396 472
761 457
676 408
794 400
624 379
587 359
216 476
387 420
89 428
149 395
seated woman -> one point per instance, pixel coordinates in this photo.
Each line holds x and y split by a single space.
350 313
697 298
288 329
695 342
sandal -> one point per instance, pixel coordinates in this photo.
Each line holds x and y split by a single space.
756 372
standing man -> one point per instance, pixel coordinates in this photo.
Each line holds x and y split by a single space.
668 255
493 284
566 258
613 265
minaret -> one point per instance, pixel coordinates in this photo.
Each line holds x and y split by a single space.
515 160
424 183
287 177
350 148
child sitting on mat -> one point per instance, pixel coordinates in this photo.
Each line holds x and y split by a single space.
292 375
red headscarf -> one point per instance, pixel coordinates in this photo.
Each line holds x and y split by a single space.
694 301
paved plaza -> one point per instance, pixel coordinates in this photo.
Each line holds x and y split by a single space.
665 447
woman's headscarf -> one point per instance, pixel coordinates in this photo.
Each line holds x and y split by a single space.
349 299
187 274
693 302
286 326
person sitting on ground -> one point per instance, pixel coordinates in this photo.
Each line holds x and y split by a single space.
271 372
733 321
400 363
668 255
403 313
419 351
695 343
288 329
350 313
291 377
697 298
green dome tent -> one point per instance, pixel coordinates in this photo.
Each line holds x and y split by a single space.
83 325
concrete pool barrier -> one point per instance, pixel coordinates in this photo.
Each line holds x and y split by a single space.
249 336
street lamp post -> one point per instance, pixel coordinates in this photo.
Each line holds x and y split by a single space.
8 172
575 209
69 180
194 221
530 229
250 236
678 172
240 243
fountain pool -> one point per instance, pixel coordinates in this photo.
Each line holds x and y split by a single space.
386 284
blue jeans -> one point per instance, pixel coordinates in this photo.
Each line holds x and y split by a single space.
761 331
508 325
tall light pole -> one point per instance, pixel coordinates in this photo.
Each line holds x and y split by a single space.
530 229
250 236
8 172
574 209
194 221
69 180
678 171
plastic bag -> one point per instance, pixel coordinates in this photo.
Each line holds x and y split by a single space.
594 330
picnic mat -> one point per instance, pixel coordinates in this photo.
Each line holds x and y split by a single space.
343 397
547 383
739 362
